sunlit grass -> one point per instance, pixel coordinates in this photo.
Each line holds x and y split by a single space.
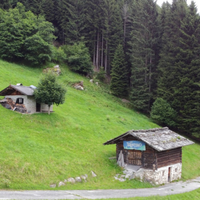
40 149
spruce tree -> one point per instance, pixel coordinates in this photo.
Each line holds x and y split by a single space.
143 50
179 73
119 86
112 31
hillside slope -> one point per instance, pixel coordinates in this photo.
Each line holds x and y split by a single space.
40 149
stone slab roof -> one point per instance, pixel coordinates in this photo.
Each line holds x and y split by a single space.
25 90
160 139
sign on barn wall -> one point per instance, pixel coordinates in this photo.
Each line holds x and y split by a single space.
137 145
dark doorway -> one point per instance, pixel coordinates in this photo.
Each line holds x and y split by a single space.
169 174
38 107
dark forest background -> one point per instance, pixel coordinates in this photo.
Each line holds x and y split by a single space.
151 53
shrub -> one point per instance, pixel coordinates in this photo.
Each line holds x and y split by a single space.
58 54
78 58
37 50
25 36
101 75
163 113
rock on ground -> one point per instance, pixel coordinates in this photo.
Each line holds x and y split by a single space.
71 180
53 185
61 184
93 174
78 179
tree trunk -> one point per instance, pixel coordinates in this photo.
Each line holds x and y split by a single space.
94 54
150 74
102 51
106 57
124 32
150 81
97 52
49 109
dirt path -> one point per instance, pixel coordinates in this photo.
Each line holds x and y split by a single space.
168 189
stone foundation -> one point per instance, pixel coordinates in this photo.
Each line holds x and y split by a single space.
160 176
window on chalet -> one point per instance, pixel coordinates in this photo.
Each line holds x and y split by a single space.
20 100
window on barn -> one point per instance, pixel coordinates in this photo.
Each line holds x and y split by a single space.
20 100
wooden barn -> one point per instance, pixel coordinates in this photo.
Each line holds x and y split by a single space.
157 153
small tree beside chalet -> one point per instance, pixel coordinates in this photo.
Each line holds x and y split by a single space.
49 91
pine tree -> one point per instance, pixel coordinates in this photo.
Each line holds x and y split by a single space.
5 4
49 10
113 31
179 73
119 81
103 32
144 40
62 17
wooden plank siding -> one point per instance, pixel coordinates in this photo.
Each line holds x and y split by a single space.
134 157
149 158
16 93
145 159
170 157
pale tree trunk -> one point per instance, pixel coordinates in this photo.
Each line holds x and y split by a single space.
49 106
106 57
94 54
97 52
125 14
102 51
150 69
150 74
145 74
125 20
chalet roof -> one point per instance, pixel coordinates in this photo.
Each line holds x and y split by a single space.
25 90
160 139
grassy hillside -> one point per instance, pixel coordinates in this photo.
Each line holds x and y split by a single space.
40 149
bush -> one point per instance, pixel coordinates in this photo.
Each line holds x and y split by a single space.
101 75
163 113
37 50
78 58
58 55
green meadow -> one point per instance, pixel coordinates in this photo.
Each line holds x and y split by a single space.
40 149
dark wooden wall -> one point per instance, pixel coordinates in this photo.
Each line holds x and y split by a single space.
149 158
170 157
16 93
145 159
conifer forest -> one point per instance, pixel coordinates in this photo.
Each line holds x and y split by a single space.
151 53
